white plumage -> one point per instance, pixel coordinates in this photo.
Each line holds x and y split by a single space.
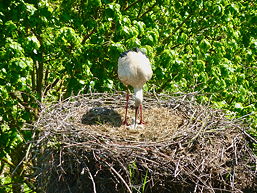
134 69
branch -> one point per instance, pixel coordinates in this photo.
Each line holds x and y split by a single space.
51 85
39 66
46 76
88 36
32 73
24 104
132 4
7 161
39 73
122 179
92 179
185 20
150 9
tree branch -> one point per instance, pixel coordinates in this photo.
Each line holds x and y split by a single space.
51 86
88 35
150 9
32 73
40 72
167 39
132 4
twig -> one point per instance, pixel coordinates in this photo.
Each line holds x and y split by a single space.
92 179
248 135
132 4
150 9
122 179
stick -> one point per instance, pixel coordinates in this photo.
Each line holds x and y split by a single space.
124 182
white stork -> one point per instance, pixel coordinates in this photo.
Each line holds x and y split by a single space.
134 69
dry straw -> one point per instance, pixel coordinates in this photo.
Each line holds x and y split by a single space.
81 146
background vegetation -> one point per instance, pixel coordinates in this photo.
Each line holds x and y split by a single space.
51 49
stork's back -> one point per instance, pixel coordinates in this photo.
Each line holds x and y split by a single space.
134 68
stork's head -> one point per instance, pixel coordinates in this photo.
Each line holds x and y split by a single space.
138 94
131 50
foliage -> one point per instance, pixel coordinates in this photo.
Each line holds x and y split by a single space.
138 178
53 49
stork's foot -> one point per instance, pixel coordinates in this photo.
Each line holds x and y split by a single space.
125 122
141 123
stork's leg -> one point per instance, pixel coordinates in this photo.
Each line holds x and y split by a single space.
141 114
125 122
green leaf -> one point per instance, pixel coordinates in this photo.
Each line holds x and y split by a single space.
200 65
205 45
182 38
95 3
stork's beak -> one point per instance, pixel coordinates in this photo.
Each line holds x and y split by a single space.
136 113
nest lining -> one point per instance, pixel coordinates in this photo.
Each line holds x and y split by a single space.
183 147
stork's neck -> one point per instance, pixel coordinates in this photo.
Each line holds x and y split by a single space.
138 94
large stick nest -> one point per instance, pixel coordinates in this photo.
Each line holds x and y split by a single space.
183 147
